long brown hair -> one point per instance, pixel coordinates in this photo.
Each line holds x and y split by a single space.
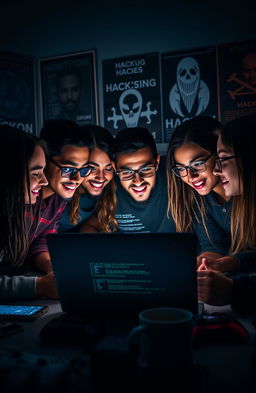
240 136
17 150
184 203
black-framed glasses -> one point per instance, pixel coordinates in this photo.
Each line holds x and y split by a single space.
196 166
219 161
69 171
128 174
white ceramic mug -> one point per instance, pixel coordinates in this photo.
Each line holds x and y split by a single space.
165 338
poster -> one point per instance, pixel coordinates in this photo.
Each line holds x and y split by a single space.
132 94
189 87
68 88
237 76
17 92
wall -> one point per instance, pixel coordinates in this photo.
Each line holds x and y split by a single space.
119 28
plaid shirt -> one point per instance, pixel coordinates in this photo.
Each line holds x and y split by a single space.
48 221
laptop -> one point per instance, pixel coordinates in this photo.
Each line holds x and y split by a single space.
118 275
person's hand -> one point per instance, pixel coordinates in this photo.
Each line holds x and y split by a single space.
207 254
46 286
214 288
223 264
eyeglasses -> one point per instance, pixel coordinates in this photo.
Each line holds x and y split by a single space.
128 174
219 161
69 171
196 166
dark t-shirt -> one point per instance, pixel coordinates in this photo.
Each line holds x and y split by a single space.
87 206
147 216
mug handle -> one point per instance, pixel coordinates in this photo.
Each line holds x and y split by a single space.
133 339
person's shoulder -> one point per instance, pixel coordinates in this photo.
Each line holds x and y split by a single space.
55 201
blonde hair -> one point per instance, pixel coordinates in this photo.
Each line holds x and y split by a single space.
240 136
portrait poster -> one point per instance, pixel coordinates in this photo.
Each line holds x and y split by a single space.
17 92
237 79
132 94
189 87
68 88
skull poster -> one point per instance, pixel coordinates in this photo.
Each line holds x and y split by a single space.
132 94
189 87
68 88
17 92
237 76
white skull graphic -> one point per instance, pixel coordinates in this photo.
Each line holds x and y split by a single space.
130 103
188 79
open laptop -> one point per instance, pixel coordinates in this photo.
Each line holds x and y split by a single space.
117 275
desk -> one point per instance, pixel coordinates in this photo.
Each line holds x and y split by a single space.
226 367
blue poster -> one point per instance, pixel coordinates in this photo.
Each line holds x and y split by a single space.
68 88
17 92
189 87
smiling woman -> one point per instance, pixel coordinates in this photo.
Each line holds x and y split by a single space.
236 166
24 157
190 163
20 185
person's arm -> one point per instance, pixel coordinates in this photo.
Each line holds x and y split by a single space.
46 287
216 289
91 225
247 261
43 262
17 287
38 252
24 288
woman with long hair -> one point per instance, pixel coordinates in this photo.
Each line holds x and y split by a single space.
236 166
97 192
22 161
196 197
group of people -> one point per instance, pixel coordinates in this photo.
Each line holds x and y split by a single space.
80 178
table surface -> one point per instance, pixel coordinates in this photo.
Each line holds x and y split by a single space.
227 367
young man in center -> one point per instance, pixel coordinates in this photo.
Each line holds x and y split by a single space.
141 194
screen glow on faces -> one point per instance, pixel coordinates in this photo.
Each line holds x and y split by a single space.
138 187
203 182
101 174
70 156
229 175
37 177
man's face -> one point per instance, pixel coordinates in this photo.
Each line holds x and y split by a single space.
249 69
69 92
70 156
138 187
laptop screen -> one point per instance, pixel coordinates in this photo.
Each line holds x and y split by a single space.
122 274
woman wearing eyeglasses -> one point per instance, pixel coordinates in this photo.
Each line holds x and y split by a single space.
97 191
236 166
197 200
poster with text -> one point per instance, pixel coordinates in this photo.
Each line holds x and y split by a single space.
237 76
132 94
189 87
68 88
17 92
